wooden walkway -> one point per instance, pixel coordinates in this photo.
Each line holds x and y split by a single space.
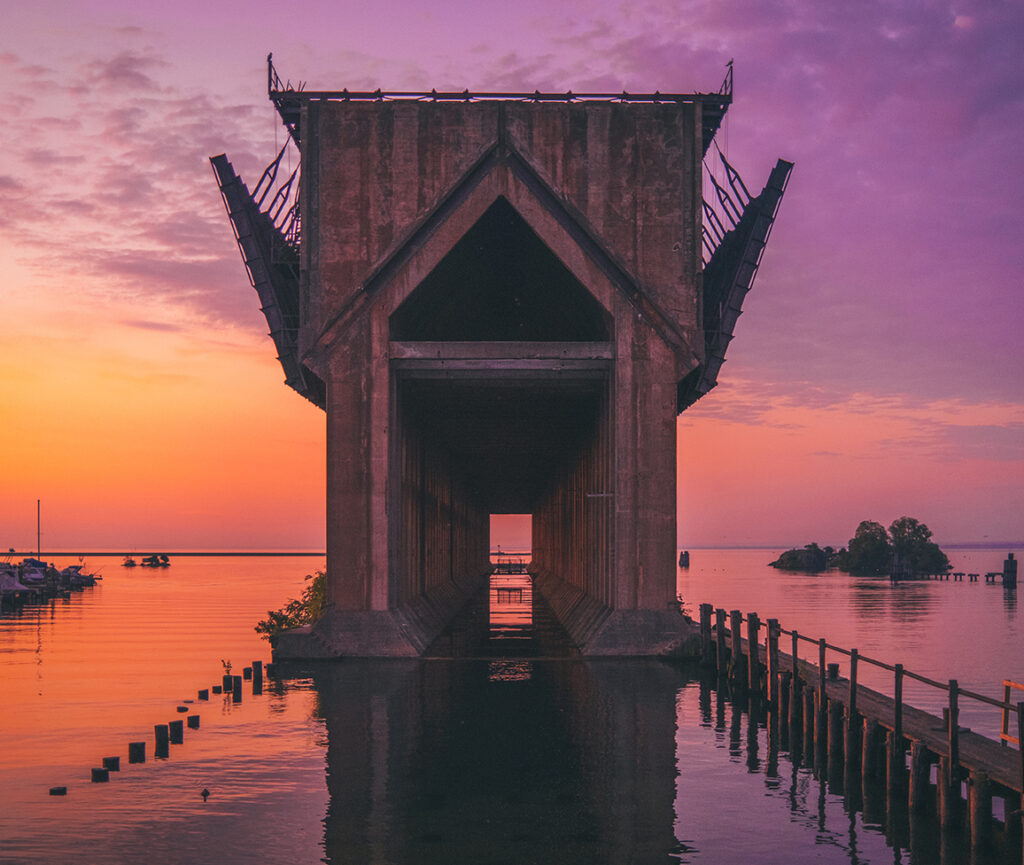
865 731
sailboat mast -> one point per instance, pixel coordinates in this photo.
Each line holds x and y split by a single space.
39 542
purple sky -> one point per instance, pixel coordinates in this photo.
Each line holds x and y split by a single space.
877 366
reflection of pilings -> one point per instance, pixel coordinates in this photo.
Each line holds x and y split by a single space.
911 811
854 736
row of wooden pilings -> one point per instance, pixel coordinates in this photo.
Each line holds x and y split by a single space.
855 730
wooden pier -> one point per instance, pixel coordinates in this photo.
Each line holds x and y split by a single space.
859 732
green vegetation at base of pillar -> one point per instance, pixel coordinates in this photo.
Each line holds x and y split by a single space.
303 611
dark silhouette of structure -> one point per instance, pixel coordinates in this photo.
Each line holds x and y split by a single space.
501 301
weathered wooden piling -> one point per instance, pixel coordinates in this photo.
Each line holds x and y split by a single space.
247 673
809 701
204 694
920 777
112 764
193 722
99 776
225 682
720 658
136 752
836 740
737 660
162 734
979 806
236 689
176 732
257 677
753 653
705 635
947 792
58 791
772 681
872 749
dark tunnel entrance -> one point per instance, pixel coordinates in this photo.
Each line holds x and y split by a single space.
501 367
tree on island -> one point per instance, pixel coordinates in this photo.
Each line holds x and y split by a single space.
905 550
913 550
869 550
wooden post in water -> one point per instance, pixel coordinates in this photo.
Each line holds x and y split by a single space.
948 793
871 749
809 725
836 750
979 801
894 772
162 734
257 677
821 672
723 667
705 634
785 701
920 770
753 654
736 663
773 662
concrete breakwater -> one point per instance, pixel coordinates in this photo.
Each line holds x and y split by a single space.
921 762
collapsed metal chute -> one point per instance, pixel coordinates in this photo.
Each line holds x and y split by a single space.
267 228
735 235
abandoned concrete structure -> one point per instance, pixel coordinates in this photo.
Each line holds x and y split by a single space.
501 302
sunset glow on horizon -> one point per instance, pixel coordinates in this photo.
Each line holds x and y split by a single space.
876 370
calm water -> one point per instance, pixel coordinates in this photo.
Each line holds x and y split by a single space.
487 761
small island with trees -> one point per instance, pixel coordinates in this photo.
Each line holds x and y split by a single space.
904 551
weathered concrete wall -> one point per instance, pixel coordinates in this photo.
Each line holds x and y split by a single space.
373 171
612 190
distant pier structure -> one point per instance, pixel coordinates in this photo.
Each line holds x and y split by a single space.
501 301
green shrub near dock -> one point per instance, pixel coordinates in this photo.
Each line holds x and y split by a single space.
297 612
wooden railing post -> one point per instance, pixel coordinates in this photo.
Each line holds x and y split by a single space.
897 725
853 685
954 731
821 674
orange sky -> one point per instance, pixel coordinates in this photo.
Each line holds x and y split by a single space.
876 368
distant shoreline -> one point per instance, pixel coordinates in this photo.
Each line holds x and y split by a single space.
180 553
984 545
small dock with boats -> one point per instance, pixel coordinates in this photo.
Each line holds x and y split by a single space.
33 580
